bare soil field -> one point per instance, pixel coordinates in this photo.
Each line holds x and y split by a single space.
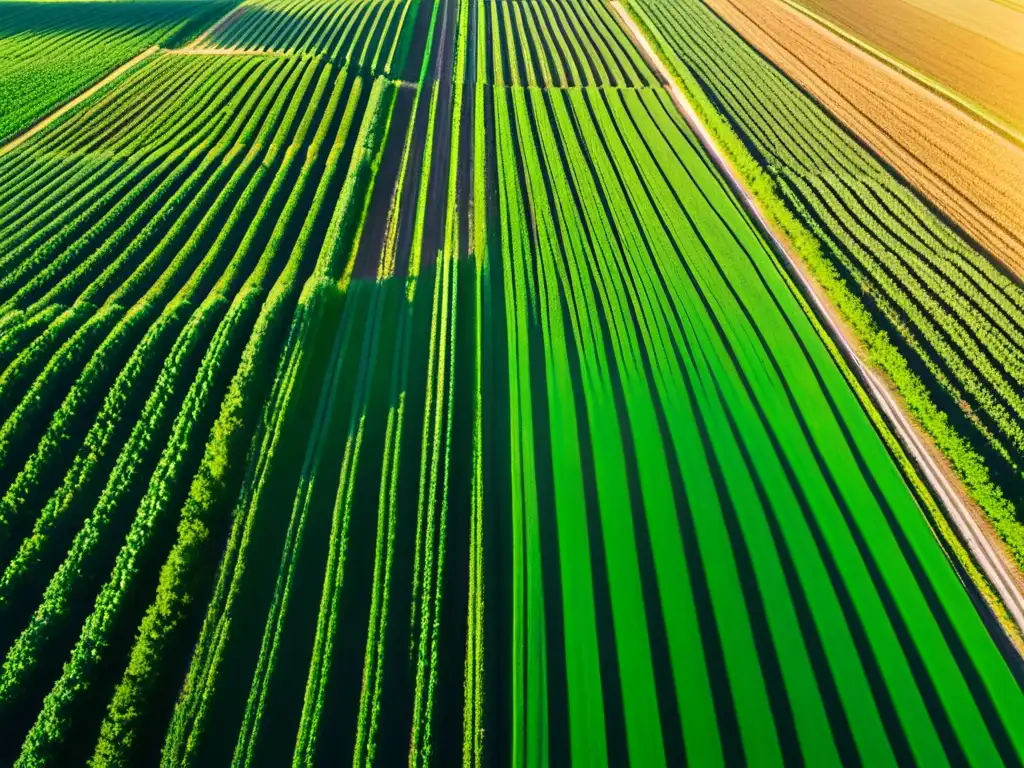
972 174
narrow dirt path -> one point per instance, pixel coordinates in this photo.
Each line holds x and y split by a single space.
46 121
989 558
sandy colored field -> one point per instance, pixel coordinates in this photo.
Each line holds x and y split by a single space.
999 20
971 173
980 56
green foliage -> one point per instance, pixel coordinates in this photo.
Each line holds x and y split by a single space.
50 51
247 484
955 316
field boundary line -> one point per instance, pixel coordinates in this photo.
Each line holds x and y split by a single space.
46 121
979 113
988 558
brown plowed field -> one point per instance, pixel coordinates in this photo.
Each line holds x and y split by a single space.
968 171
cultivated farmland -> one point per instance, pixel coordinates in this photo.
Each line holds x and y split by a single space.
50 51
940 319
402 383
553 43
978 50
971 173
369 35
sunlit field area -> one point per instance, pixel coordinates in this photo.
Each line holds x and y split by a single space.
506 382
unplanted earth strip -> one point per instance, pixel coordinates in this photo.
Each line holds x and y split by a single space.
988 558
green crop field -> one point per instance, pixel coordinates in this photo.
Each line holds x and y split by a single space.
368 35
402 383
943 321
557 43
51 51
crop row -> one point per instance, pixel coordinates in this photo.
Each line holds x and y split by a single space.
968 170
362 450
557 43
442 421
957 322
48 53
371 36
729 410
170 270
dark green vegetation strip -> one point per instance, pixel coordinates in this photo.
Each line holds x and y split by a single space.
944 323
440 422
49 52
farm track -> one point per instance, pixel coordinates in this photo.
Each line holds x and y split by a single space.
993 563
191 51
228 19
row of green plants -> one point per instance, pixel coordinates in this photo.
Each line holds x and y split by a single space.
372 37
553 44
66 362
187 727
625 225
50 52
184 274
813 151
139 450
81 218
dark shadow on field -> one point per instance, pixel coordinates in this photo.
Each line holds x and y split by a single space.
402 367
384 358
441 76
417 29
153 727
64 17
268 534
382 201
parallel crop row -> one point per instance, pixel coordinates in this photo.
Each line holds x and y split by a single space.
51 51
957 322
557 43
175 277
456 419
371 36
729 410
